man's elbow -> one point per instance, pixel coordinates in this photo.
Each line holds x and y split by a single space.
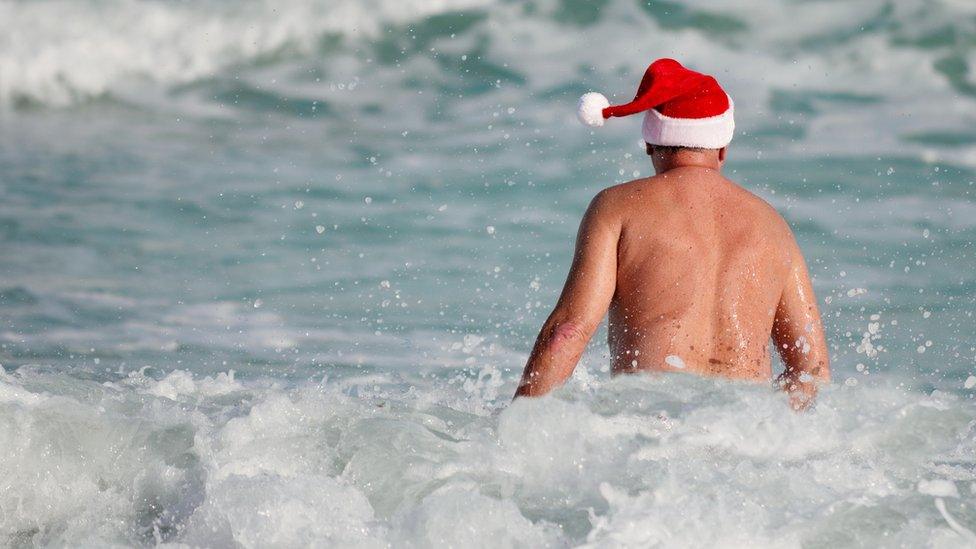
559 347
566 333
568 337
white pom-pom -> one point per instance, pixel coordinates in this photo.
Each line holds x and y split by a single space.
590 109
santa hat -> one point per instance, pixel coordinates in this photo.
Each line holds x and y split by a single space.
683 108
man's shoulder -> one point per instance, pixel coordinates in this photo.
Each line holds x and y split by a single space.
645 195
625 192
761 214
611 204
761 206
621 200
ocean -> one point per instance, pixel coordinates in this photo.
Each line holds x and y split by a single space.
270 270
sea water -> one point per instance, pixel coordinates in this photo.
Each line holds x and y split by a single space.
269 271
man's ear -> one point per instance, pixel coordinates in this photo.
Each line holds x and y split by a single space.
721 155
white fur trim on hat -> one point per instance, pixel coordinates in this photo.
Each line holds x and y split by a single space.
590 109
713 132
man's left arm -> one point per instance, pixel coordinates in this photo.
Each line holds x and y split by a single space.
582 304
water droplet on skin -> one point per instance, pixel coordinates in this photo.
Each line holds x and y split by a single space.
674 361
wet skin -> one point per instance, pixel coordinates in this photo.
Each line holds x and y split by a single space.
697 274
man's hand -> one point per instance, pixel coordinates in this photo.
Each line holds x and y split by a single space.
582 304
802 389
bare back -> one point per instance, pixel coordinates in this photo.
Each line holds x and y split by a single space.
701 266
697 275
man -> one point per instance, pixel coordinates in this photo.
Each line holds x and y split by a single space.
697 272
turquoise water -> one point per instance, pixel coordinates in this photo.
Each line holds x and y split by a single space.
271 270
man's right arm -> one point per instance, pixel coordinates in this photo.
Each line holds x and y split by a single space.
582 305
799 336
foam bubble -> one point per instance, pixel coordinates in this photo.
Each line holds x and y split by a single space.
939 488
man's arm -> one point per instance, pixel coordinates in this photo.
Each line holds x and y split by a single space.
798 334
582 304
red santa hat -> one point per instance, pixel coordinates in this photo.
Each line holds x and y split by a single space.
682 108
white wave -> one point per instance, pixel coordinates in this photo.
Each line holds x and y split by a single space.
59 52
180 383
673 460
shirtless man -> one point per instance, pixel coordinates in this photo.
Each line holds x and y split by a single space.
697 272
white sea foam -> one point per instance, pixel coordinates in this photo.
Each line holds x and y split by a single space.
671 460
181 383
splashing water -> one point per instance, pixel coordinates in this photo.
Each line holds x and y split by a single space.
672 460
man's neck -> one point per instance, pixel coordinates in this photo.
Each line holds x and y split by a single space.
686 159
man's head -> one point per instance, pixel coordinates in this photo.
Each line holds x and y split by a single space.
666 157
